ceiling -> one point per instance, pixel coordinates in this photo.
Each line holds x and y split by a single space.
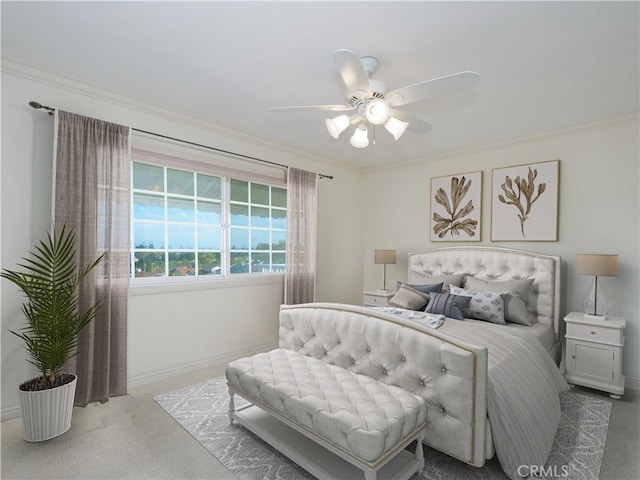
542 65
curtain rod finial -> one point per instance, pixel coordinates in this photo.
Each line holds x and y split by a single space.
39 106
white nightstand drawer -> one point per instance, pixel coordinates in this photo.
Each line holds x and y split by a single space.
375 300
595 333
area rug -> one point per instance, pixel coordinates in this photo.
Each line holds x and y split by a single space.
202 410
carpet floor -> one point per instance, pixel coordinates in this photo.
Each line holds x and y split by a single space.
201 410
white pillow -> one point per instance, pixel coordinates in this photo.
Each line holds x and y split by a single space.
487 306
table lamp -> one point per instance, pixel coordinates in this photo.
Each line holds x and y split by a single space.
384 257
597 265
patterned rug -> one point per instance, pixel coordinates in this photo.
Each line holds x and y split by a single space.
202 410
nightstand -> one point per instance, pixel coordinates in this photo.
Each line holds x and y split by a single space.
594 353
376 298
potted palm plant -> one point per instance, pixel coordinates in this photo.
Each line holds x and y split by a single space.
49 281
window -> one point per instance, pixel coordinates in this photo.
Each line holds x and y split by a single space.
191 223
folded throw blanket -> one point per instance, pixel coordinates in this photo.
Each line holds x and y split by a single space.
423 318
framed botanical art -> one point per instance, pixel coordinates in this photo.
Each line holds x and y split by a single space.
456 207
524 202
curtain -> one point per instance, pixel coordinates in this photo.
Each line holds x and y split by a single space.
300 274
91 194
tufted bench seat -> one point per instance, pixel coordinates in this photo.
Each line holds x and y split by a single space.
364 421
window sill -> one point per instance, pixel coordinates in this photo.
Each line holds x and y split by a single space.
192 285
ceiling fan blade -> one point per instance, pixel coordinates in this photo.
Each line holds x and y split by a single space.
351 71
313 108
432 88
415 124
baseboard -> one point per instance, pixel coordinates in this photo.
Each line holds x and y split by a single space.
10 412
14 411
156 376
632 382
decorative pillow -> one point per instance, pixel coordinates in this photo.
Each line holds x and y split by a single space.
515 293
487 306
409 298
455 279
431 288
448 305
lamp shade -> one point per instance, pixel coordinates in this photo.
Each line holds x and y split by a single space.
599 265
337 125
386 257
396 127
360 138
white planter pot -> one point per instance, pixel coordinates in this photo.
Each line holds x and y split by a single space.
47 413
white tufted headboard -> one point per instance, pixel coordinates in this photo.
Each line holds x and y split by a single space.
497 264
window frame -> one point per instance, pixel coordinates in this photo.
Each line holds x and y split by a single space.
226 175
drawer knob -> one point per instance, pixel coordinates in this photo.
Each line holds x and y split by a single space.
592 332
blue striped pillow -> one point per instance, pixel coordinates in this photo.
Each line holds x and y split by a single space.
450 306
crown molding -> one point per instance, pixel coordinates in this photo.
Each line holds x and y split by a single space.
41 75
51 78
519 141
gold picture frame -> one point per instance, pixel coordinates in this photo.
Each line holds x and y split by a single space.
456 207
524 202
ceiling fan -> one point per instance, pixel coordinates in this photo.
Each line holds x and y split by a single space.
368 101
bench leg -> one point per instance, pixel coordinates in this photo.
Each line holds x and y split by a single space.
370 474
232 406
420 449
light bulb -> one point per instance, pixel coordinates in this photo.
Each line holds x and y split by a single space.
337 125
377 111
396 127
360 138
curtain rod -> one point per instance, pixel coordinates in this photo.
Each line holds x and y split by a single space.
51 110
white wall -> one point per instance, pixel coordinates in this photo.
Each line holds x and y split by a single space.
169 329
598 212
176 329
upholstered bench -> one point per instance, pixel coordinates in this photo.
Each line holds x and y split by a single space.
363 421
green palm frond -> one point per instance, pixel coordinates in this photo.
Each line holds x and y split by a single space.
50 281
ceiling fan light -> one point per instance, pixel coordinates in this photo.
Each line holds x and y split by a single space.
359 138
396 127
377 111
337 125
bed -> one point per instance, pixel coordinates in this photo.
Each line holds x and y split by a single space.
470 266
491 388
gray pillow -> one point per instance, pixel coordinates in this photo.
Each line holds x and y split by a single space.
431 288
515 294
450 306
455 279
409 298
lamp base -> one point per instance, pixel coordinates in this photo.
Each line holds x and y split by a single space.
383 290
590 316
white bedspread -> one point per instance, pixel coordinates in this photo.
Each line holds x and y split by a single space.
523 391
